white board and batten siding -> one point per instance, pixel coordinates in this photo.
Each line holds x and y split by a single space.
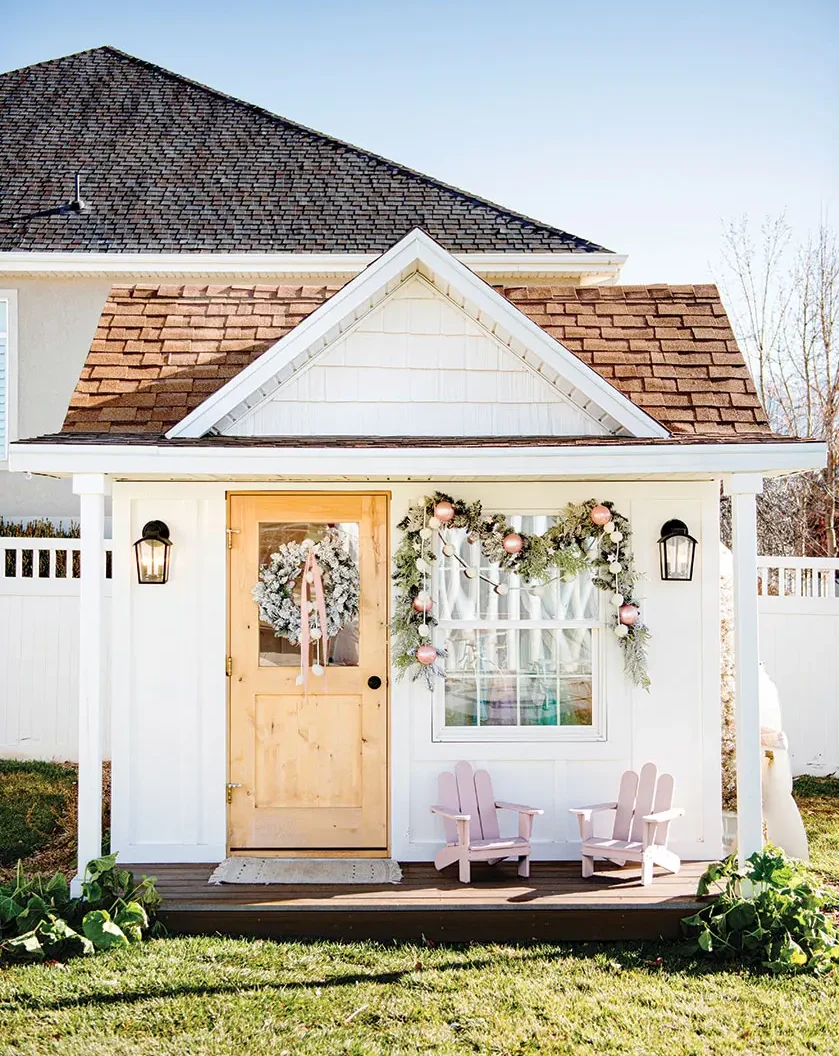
169 684
417 365
798 601
39 648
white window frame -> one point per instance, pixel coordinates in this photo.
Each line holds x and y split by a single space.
525 734
9 297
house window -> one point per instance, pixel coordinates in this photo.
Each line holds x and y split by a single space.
522 665
8 304
4 376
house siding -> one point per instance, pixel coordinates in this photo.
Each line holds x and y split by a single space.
169 686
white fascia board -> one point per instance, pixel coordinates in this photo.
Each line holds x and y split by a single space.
594 462
365 290
147 265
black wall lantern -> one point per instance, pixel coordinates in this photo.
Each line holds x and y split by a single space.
152 553
677 549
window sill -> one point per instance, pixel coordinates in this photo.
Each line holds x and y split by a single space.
517 735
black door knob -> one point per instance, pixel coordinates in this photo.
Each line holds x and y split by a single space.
374 682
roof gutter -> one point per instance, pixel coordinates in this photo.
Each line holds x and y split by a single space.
595 462
600 266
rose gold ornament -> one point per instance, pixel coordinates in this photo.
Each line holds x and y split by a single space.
444 511
628 614
422 603
512 543
426 654
600 515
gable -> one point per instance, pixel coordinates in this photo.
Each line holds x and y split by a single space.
417 365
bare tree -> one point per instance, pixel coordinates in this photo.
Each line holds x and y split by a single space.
784 305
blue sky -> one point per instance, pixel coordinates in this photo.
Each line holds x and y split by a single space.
638 126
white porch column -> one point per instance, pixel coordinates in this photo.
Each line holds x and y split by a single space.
743 488
91 489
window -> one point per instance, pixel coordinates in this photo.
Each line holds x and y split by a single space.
7 388
521 665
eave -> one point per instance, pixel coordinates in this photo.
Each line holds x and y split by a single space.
619 460
574 267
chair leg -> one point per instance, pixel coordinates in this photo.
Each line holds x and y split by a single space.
588 866
524 866
465 872
646 870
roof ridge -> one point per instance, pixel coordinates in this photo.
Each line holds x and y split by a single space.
325 138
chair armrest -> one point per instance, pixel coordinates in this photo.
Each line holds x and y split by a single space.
664 815
518 807
586 812
448 812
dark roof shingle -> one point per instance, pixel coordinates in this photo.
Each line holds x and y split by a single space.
173 166
160 351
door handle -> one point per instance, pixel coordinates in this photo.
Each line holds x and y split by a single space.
374 682
230 786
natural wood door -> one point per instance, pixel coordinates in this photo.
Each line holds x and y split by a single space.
312 767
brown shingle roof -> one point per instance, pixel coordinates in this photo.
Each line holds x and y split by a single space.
160 351
173 166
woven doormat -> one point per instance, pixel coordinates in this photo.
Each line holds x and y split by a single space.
307 871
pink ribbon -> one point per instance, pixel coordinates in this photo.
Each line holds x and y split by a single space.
311 565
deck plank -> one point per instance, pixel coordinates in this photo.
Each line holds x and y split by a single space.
555 903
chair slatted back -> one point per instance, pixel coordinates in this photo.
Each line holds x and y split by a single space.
641 794
468 798
447 797
469 792
486 805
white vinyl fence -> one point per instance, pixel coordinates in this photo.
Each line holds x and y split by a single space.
39 648
798 600
39 638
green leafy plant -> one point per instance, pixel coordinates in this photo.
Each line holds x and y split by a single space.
772 915
39 920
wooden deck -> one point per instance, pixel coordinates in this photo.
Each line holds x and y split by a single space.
554 904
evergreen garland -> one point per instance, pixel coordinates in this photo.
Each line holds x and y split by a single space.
566 549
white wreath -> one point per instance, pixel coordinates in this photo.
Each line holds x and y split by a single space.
274 594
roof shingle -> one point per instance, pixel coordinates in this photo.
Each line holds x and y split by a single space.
160 351
173 166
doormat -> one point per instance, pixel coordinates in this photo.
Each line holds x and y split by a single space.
307 871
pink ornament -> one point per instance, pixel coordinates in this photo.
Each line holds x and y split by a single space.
628 614
426 654
422 603
444 511
600 515
512 542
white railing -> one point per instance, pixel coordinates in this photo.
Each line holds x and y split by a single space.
798 577
43 566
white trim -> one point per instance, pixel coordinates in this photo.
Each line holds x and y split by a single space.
416 252
144 265
595 462
11 433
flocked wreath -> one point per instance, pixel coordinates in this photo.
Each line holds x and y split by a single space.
278 580
589 537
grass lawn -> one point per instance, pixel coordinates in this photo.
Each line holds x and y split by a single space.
213 996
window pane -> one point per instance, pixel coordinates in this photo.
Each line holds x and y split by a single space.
575 702
537 701
461 702
498 705
497 652
538 651
575 650
342 650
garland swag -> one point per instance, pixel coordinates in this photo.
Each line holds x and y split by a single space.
578 543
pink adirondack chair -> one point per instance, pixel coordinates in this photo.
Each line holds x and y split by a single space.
469 812
643 812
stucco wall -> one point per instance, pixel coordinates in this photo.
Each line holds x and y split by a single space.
56 322
169 686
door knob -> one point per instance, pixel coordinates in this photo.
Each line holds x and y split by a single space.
374 682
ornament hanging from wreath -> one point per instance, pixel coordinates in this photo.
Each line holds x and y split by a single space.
315 577
589 537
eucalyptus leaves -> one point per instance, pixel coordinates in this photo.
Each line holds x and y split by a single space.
590 537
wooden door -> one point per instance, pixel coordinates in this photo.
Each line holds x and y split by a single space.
313 767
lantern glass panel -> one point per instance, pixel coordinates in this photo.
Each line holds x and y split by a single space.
152 560
677 557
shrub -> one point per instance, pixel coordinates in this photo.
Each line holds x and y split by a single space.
769 915
39 920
